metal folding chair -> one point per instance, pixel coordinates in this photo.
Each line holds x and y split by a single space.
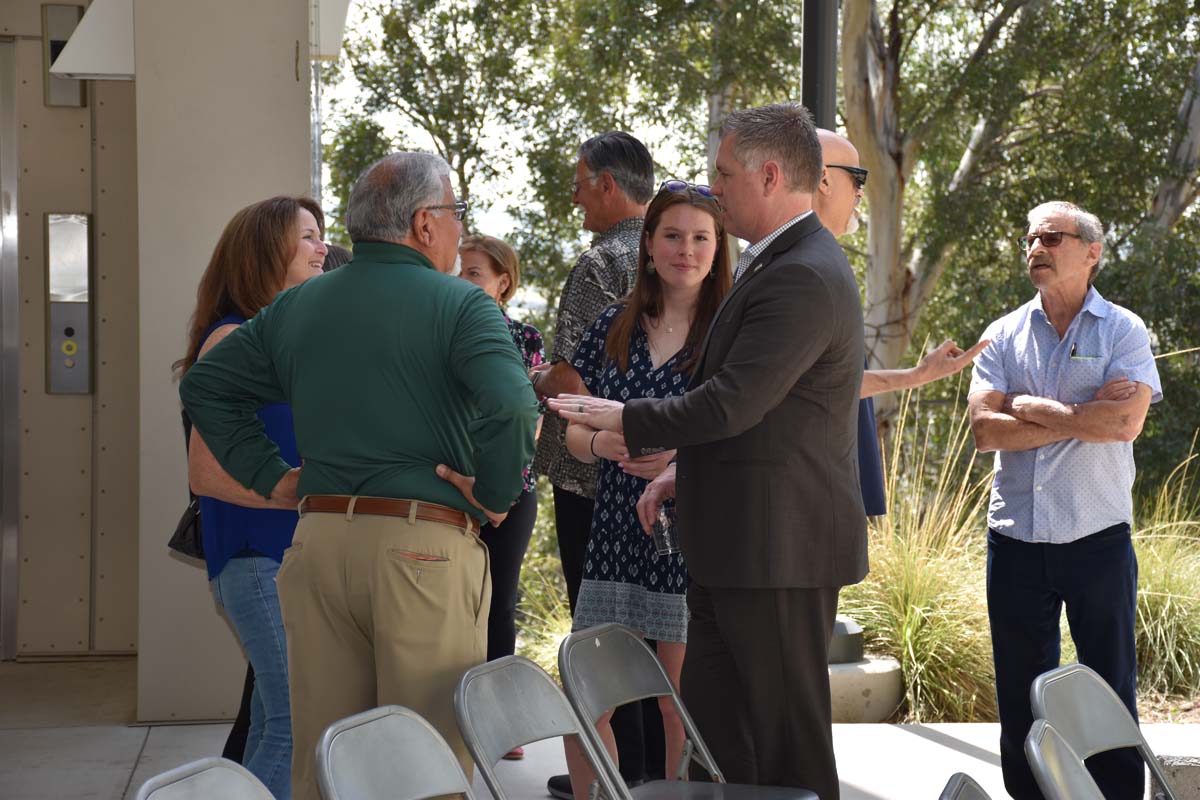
1059 771
609 665
962 786
389 752
1087 713
205 779
512 702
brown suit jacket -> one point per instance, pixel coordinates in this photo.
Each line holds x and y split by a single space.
767 475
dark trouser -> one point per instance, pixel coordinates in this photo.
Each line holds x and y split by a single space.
1027 585
506 548
637 727
235 745
756 682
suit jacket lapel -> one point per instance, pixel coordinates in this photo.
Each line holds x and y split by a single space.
783 243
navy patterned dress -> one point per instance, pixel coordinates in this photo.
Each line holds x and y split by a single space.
624 579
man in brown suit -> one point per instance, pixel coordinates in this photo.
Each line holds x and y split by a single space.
770 513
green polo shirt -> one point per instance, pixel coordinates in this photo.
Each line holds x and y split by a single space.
390 368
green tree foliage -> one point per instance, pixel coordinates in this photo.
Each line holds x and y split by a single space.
357 142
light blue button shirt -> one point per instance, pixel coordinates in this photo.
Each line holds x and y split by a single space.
1070 489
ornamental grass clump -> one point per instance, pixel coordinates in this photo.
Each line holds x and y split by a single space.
923 602
1167 541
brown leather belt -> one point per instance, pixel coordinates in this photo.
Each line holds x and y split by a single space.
387 507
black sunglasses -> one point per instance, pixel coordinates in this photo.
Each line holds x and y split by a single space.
857 173
682 186
1049 239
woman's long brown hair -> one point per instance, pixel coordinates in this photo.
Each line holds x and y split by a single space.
647 295
248 267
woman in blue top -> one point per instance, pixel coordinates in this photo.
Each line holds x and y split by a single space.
645 346
266 248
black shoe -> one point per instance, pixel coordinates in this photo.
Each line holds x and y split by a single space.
560 786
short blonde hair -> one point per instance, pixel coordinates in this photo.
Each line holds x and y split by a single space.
503 257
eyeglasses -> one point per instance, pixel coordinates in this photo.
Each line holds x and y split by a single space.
459 209
575 183
857 173
1049 239
682 186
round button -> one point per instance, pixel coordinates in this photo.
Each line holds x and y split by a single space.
69 363
69 348
68 331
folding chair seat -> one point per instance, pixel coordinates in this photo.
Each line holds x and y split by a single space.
512 702
205 779
1087 713
388 752
609 665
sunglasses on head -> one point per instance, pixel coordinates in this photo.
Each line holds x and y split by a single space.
1049 239
857 173
682 186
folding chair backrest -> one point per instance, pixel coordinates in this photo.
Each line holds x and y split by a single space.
609 665
1059 771
511 702
389 752
962 786
1089 715
204 779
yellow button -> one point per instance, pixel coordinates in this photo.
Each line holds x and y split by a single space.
69 348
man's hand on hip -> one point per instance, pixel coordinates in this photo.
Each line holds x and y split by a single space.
466 485
284 494
657 492
595 412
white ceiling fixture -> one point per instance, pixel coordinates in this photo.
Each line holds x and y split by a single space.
101 48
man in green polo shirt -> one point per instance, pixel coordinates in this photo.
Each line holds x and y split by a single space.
396 374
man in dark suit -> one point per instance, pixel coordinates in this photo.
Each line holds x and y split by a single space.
770 513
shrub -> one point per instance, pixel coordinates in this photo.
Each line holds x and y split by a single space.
1168 609
923 602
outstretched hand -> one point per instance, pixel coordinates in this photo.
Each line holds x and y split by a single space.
466 485
947 359
595 412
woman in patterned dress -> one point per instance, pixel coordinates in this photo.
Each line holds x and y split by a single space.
645 346
492 265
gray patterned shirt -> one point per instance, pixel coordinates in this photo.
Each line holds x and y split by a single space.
602 275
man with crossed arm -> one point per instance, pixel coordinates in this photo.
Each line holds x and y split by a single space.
1060 395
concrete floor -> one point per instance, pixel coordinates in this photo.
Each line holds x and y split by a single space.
66 733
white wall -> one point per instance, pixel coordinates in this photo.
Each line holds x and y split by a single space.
222 121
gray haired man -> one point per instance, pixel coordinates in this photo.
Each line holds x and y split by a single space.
402 381
1059 396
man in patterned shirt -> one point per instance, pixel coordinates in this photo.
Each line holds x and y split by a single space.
614 181
1060 395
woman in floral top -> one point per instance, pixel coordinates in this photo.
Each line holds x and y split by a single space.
492 265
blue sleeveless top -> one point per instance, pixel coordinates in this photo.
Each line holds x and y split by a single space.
231 530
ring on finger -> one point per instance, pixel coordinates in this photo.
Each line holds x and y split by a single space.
581 408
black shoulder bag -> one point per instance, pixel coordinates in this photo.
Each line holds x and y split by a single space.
187 540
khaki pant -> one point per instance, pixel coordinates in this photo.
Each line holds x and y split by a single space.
377 611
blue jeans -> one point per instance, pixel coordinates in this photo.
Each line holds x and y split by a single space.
246 590
1027 586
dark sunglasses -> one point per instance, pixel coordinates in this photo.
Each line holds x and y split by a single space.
1049 239
857 173
683 186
